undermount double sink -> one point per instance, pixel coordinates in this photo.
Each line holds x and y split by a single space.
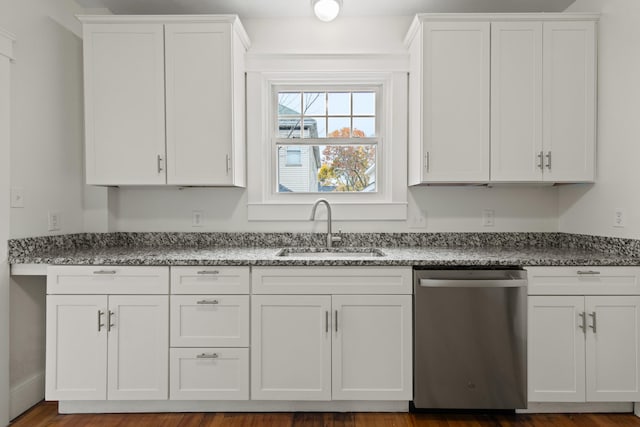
310 252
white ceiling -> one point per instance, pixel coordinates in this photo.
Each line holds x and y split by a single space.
300 8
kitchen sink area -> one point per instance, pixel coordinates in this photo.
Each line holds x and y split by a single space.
310 252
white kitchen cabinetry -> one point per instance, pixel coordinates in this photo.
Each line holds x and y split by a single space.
104 346
542 79
543 101
449 102
330 347
130 64
209 333
584 345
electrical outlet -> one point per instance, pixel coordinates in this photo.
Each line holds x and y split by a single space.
417 219
619 218
196 219
17 197
54 220
488 217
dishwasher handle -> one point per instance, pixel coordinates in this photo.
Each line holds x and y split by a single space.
470 283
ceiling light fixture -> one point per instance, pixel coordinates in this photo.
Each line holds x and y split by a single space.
326 10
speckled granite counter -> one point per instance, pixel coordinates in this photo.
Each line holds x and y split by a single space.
400 249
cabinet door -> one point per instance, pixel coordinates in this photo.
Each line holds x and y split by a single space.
569 107
456 101
290 347
138 347
124 103
516 101
209 320
613 337
209 374
371 351
199 104
76 361
556 360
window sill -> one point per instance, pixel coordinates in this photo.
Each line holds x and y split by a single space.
340 211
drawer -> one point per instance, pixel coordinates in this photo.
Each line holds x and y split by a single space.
209 320
100 279
210 280
331 280
583 280
209 374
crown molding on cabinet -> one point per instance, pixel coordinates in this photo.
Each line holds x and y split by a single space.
169 19
494 17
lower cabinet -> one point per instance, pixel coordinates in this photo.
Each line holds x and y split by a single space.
331 347
209 373
107 347
583 348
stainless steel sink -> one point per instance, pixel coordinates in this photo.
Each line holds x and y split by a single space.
330 252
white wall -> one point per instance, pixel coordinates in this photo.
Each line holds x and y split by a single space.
224 209
590 209
45 161
6 53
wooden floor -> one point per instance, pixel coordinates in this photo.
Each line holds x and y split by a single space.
46 414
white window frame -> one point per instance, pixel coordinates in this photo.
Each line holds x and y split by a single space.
389 202
376 140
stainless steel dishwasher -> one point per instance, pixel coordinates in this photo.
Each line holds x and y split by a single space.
470 349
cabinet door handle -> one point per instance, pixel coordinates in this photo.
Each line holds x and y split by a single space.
208 272
160 168
104 272
326 321
228 164
593 325
540 162
100 324
208 301
548 156
583 324
110 320
587 272
336 320
426 161
207 356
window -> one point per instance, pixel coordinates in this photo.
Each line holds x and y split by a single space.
294 156
321 113
326 139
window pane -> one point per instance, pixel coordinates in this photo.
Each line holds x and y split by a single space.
364 103
316 127
314 103
327 168
339 127
289 128
339 104
364 127
289 103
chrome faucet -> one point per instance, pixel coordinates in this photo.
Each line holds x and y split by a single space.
330 237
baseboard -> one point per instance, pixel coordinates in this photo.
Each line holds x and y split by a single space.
26 394
573 408
110 406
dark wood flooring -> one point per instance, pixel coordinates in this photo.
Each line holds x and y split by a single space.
45 414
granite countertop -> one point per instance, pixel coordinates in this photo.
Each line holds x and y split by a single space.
437 249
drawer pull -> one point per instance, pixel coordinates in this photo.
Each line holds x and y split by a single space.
207 356
208 272
588 272
208 301
104 272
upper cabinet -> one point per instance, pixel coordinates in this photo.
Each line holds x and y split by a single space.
164 100
502 98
